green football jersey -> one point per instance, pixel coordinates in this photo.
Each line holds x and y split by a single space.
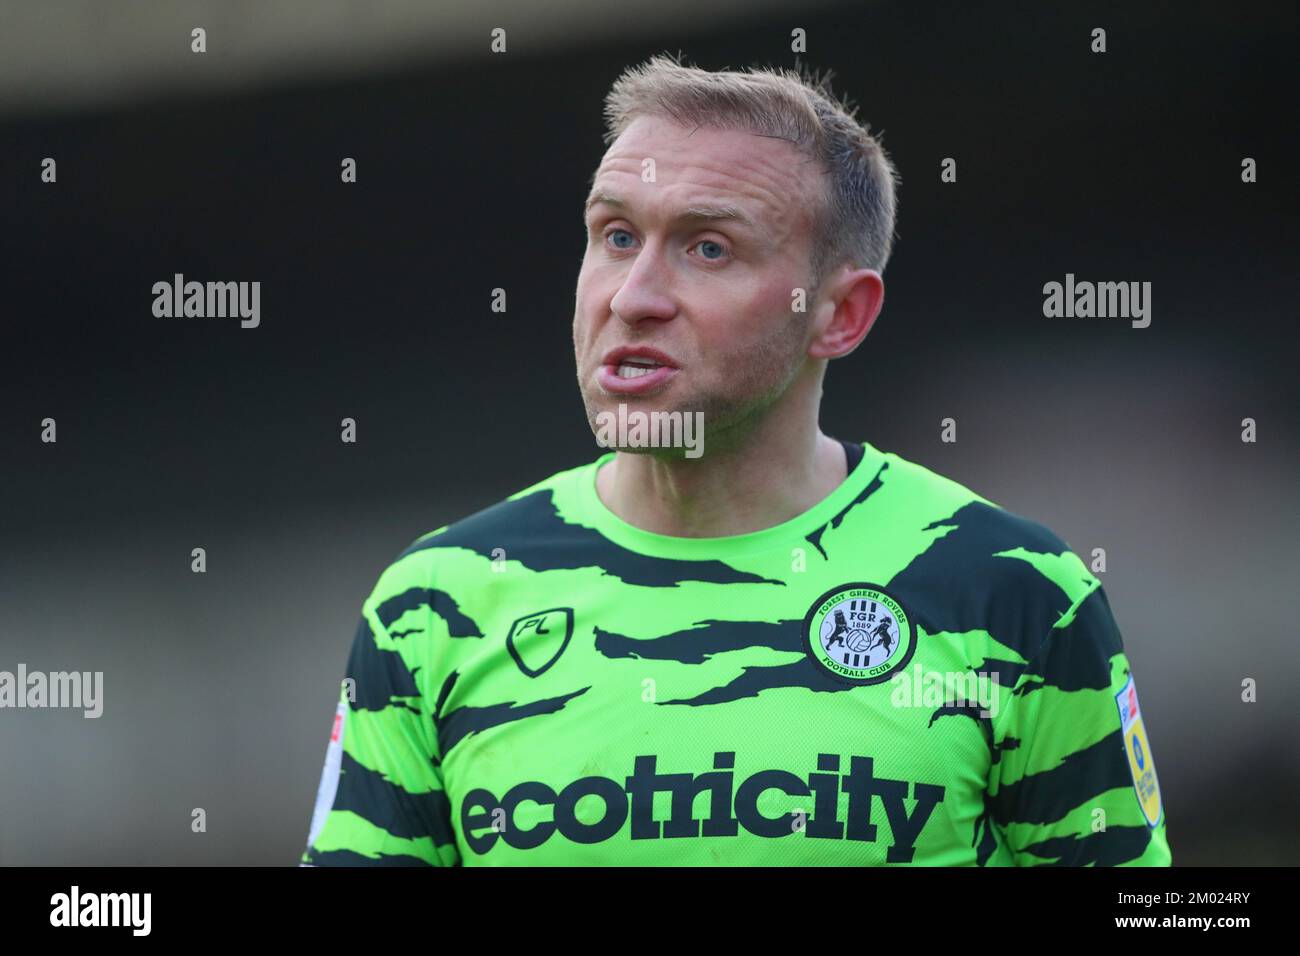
906 673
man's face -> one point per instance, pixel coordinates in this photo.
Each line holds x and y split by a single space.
711 296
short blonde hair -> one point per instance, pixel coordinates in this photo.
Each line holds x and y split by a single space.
855 223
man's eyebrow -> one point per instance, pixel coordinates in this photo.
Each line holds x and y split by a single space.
725 212
607 198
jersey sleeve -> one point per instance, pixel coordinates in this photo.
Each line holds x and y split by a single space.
1074 782
381 800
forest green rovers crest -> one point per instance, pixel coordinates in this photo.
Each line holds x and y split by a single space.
859 634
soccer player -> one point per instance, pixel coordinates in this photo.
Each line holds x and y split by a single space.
771 646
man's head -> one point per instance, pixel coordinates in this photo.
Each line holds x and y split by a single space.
737 226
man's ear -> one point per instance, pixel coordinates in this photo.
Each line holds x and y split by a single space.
852 301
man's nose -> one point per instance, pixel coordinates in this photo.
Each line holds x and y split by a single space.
646 292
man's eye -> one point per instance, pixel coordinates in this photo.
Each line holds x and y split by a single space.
712 251
618 232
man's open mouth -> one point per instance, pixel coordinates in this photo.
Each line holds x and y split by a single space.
635 367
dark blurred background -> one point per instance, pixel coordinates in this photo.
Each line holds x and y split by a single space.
472 167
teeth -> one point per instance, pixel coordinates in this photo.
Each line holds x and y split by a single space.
633 371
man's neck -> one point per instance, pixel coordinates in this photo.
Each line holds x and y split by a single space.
725 492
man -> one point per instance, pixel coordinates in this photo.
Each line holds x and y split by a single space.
779 649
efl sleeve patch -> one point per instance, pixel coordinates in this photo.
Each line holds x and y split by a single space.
1138 749
329 778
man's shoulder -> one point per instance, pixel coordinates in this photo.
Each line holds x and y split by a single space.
527 515
1017 570
916 487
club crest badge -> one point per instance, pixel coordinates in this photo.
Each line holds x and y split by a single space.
1138 749
859 634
